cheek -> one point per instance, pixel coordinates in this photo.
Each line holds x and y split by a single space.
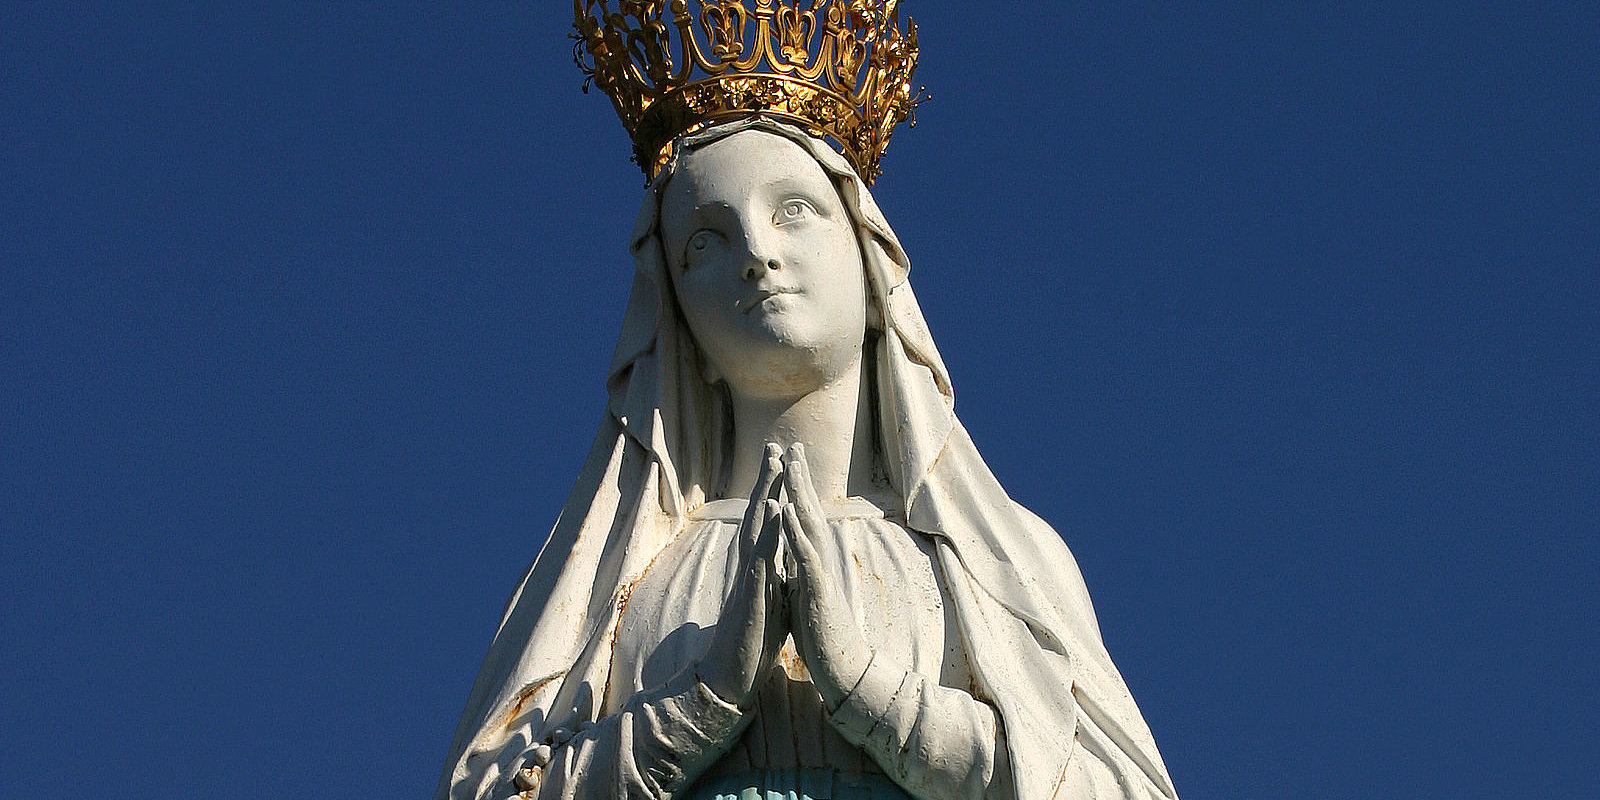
692 301
847 279
700 279
704 301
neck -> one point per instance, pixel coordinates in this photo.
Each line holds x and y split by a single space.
826 420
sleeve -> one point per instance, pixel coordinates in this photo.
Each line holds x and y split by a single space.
656 745
937 742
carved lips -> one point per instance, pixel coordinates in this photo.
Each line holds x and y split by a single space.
760 297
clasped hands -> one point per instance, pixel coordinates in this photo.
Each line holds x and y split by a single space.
768 604
803 598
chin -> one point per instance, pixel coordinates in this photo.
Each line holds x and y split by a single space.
779 330
771 367
803 327
789 369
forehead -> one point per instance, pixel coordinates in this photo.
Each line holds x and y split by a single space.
739 166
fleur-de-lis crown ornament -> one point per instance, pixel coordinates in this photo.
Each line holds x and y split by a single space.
841 69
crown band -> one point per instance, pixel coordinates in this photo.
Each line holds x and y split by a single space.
840 69
706 103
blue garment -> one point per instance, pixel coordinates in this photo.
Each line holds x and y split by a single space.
798 784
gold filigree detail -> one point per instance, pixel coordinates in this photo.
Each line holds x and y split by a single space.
841 69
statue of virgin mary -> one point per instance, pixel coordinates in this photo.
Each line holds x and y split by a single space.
784 570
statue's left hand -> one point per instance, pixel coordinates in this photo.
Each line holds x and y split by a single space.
835 651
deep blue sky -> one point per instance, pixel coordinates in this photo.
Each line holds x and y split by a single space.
1288 318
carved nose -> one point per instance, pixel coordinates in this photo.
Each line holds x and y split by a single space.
756 267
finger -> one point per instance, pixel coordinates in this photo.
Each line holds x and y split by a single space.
774 463
791 531
809 486
790 567
797 480
758 568
750 590
782 558
803 494
805 553
771 550
775 582
771 469
771 533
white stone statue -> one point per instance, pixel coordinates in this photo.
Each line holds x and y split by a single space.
785 571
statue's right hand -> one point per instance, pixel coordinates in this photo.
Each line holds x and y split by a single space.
753 624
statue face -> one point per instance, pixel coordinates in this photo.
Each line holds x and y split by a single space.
765 264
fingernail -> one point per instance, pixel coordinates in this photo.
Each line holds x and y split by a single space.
773 450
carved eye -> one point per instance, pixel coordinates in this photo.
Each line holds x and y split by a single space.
698 246
791 210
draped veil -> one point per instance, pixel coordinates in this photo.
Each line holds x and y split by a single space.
1023 610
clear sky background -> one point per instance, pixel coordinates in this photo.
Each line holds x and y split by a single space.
1286 315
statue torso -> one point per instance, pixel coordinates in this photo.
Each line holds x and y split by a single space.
893 584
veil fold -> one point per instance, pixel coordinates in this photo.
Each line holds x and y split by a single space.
1023 611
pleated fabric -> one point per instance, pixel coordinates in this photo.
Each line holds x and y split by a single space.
798 784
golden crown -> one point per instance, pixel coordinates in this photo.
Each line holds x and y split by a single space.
841 69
